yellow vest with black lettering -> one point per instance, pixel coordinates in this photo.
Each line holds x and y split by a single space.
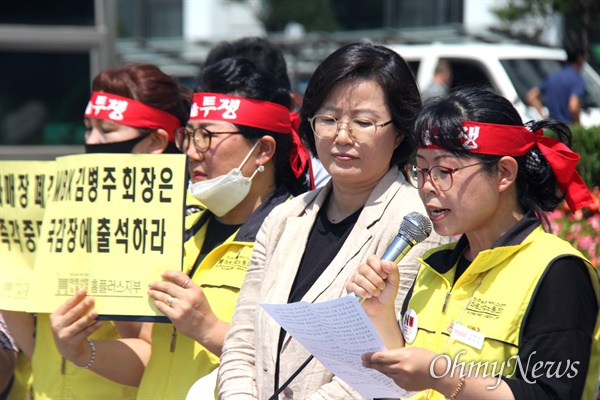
55 378
178 361
501 282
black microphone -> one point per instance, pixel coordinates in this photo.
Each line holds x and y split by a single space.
414 228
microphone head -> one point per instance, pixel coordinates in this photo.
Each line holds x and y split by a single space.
415 227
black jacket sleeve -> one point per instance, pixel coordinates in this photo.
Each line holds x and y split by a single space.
556 336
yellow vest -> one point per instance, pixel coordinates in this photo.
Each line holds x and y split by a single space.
58 379
191 201
170 374
490 297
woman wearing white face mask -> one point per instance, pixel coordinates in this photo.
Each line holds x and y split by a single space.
240 145
241 148
241 163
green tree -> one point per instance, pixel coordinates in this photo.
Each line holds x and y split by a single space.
322 15
587 12
314 15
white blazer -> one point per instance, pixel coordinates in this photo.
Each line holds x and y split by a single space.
250 349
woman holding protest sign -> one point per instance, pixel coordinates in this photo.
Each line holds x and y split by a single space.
133 109
509 310
245 159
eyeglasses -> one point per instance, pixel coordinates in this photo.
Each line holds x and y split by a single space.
201 137
441 177
360 129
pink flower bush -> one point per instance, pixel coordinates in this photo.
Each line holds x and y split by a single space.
580 228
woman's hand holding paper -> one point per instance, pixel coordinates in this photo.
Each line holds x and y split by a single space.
71 324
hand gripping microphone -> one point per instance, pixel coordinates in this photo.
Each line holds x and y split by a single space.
414 229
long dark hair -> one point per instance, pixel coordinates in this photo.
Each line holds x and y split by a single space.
370 62
537 187
239 77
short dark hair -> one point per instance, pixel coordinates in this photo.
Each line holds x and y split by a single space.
536 184
240 77
370 62
147 84
263 53
574 51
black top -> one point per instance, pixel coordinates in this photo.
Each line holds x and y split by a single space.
216 233
557 327
324 242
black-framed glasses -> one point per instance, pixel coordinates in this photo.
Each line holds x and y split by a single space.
360 129
201 137
441 177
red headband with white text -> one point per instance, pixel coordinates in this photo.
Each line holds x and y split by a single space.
516 140
129 112
255 114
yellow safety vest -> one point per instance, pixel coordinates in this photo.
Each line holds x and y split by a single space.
491 297
177 361
57 379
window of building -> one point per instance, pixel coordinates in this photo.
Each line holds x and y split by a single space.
47 12
147 19
43 97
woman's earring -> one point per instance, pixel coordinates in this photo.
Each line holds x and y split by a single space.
260 168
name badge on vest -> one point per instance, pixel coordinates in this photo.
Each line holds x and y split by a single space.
409 325
467 336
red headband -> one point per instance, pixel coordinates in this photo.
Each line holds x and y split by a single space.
255 114
129 112
516 140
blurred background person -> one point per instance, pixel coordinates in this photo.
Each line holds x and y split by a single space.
562 91
239 143
490 299
156 106
356 114
440 85
264 54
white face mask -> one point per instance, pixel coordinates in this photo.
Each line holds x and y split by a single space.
220 195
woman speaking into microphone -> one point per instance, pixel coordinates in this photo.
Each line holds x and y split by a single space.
509 311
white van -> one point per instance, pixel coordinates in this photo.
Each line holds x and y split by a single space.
510 69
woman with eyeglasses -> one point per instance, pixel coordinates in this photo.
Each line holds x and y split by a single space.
245 158
356 112
509 311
